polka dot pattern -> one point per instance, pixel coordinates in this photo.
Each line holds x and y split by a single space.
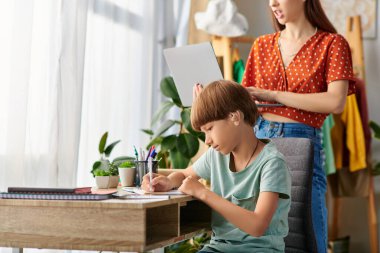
324 58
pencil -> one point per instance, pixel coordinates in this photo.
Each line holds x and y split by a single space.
150 167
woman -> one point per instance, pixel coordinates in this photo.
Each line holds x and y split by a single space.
300 74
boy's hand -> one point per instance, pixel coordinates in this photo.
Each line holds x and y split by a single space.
192 186
160 183
197 89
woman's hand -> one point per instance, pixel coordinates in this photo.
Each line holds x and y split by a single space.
192 186
258 94
160 183
197 89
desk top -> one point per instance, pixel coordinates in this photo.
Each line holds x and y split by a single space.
109 203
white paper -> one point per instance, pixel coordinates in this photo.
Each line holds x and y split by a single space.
142 192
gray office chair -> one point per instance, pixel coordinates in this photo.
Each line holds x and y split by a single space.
299 156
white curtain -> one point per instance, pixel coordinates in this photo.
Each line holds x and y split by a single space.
71 70
123 68
29 66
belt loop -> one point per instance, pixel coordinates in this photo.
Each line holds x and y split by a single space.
280 129
258 121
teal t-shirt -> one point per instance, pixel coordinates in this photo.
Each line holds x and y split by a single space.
267 173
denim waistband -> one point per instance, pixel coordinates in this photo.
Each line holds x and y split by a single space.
288 129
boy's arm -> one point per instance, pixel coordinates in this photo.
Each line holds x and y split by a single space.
162 183
176 178
254 222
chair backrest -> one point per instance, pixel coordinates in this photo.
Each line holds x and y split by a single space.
299 156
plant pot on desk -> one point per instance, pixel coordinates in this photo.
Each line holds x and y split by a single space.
104 182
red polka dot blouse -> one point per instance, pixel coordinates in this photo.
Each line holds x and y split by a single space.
324 58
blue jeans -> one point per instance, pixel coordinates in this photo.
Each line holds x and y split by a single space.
265 129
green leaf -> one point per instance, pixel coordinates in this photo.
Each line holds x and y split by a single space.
102 142
177 160
169 90
376 129
185 116
156 141
168 142
163 159
99 173
148 131
127 164
95 166
122 159
104 164
165 126
110 147
113 169
165 107
201 136
187 144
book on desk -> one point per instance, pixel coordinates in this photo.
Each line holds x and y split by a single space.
83 193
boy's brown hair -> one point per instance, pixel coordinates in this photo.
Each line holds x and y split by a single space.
218 100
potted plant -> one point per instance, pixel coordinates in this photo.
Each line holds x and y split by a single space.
127 172
177 149
106 172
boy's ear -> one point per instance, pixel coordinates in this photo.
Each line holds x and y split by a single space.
235 117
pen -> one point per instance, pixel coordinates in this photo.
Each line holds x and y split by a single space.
136 153
149 152
150 172
153 154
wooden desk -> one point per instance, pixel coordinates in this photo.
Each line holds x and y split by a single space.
112 225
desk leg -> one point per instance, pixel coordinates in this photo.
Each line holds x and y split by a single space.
17 250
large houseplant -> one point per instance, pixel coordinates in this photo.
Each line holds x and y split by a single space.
176 149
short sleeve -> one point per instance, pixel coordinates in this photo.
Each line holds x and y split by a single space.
250 68
275 177
339 63
202 167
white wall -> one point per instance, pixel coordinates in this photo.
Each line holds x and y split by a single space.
353 222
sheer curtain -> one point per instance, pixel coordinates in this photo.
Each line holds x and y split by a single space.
71 70
123 68
30 50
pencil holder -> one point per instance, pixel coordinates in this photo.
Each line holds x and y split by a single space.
142 169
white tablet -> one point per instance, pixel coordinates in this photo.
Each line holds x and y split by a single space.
192 64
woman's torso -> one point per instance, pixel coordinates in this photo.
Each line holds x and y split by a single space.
322 59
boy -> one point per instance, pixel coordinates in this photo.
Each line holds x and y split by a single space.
250 183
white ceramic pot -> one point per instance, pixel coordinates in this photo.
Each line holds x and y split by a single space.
127 176
104 182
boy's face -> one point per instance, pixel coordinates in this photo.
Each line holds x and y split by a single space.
222 135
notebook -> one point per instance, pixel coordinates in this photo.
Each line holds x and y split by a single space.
192 64
82 190
54 196
142 192
140 196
